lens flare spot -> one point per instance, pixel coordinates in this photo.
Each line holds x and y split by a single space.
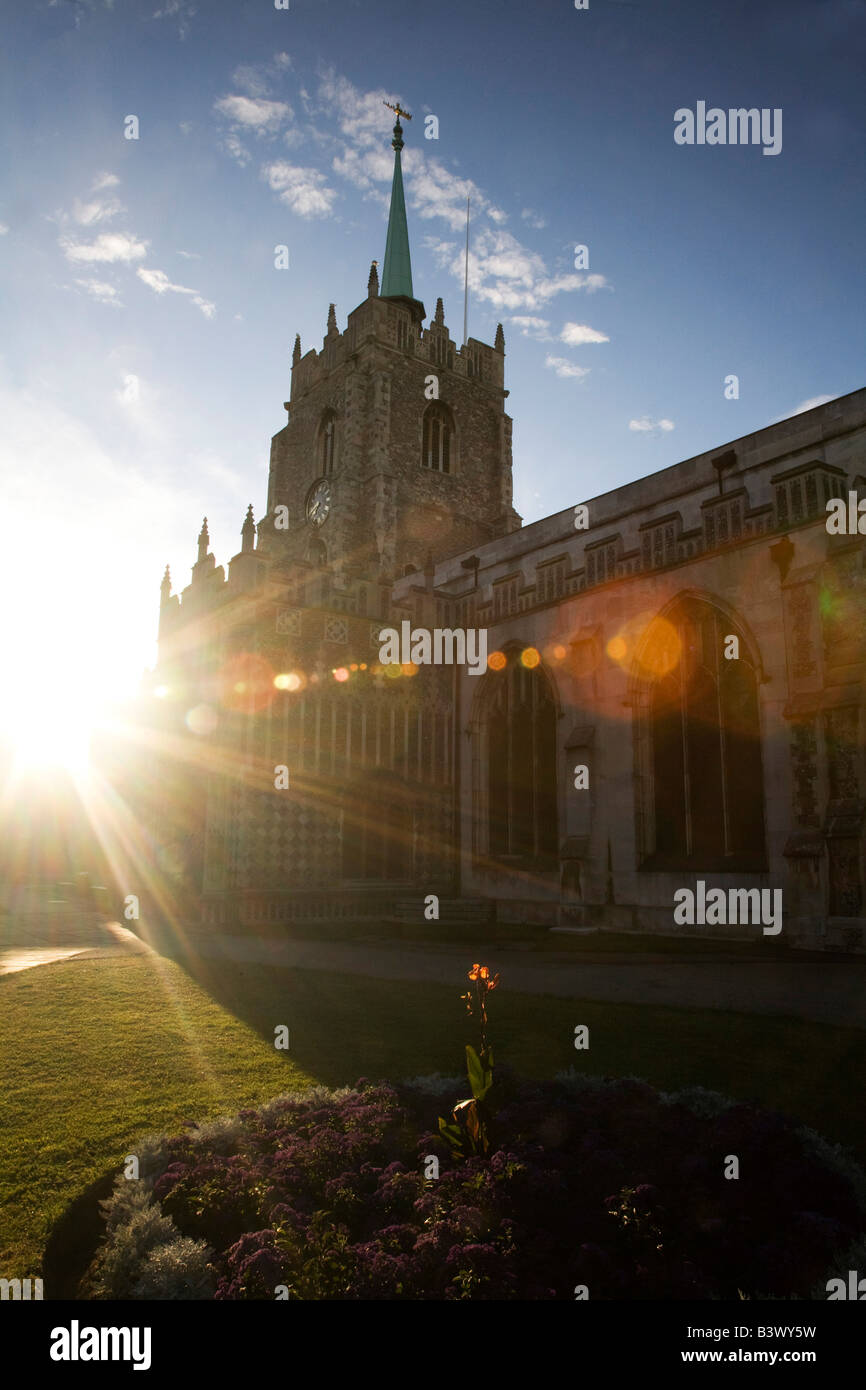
161 692
341 674
660 652
409 668
246 682
617 649
496 661
392 670
559 653
530 658
201 719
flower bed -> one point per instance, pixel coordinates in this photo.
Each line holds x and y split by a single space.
609 1185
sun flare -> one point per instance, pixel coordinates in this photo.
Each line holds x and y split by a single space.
66 676
45 733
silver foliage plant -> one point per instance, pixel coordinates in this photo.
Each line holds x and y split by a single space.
144 1255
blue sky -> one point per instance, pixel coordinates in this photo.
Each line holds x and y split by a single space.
147 334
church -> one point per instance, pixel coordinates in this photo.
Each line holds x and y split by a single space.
673 697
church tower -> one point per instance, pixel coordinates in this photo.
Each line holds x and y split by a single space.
396 453
397 444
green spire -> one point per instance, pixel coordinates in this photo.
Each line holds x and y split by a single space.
397 272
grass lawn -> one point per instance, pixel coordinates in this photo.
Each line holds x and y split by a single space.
98 1052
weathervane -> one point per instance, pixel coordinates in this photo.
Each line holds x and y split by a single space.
399 110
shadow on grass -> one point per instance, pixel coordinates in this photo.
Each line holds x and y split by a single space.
343 1027
73 1240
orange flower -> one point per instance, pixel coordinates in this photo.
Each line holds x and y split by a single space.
481 973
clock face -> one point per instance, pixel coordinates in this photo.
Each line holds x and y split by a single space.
319 502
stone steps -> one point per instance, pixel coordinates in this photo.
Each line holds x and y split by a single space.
463 912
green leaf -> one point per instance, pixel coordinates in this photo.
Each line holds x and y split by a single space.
452 1134
480 1076
487 1063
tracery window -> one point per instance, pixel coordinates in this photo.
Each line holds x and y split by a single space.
327 440
437 439
521 763
702 781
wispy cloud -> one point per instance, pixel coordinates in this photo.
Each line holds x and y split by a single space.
811 404
99 204
3 229
577 334
533 218
506 274
351 125
252 79
237 149
108 246
532 327
254 113
117 248
96 210
102 292
363 158
644 425
305 191
130 392
179 10
158 281
563 367
359 114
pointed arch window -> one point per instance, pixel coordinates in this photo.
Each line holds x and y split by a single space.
317 552
699 746
520 771
438 438
327 442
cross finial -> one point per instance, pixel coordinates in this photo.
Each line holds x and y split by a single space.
397 142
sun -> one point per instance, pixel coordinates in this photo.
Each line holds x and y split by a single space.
71 642
53 700
50 730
